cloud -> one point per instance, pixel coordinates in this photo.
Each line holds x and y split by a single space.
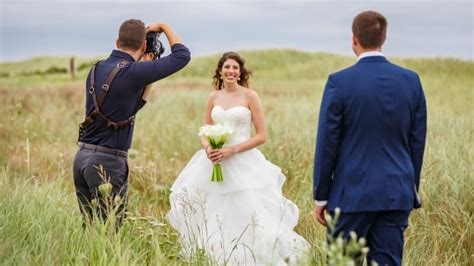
426 28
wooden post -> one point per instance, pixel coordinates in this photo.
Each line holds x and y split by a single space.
72 68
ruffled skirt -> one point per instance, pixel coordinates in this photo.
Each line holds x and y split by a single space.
244 220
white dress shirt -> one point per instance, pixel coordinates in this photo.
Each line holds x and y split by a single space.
370 53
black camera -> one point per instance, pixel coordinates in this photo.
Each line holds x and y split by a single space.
153 45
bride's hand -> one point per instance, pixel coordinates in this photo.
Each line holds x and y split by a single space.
208 151
219 155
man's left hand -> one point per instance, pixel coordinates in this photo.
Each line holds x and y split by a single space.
320 215
147 57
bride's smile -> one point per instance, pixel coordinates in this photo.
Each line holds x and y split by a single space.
230 71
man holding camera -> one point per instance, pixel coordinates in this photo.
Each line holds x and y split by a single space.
115 92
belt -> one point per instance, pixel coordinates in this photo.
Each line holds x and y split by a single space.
103 149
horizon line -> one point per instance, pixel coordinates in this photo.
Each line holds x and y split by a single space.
210 54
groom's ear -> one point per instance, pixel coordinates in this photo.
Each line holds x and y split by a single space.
355 41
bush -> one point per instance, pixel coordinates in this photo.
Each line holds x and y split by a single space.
50 70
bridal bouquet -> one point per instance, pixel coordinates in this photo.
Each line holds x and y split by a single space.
217 135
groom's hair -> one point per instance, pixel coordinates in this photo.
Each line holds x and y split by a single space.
132 34
370 28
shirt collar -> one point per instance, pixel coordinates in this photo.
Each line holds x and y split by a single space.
123 55
370 53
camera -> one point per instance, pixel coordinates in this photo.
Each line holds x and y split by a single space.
153 45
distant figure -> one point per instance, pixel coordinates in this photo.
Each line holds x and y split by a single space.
370 144
72 67
114 94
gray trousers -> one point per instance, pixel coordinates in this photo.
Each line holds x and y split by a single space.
88 177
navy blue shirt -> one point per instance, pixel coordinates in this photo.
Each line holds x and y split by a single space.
125 94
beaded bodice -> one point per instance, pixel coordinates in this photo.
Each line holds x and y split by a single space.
239 118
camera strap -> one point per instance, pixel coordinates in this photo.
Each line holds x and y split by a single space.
99 100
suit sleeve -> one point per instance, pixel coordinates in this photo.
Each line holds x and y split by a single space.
418 135
327 141
149 72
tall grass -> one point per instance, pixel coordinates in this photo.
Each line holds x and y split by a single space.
40 221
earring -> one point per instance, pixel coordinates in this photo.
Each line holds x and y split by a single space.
238 78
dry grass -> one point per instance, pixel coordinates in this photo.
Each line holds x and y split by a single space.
40 221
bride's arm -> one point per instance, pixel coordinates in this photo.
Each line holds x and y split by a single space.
256 109
208 120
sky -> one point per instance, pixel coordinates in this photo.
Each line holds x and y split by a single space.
89 28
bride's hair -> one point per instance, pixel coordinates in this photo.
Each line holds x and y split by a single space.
244 73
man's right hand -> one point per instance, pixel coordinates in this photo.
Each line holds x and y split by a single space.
166 29
155 27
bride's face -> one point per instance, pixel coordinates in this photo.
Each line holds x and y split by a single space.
230 71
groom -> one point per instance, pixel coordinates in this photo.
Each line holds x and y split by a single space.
370 143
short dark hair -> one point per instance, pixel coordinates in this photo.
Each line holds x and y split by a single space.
370 28
132 33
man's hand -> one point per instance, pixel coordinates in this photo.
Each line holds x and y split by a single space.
147 57
155 27
166 29
320 215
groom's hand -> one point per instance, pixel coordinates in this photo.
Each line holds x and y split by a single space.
320 215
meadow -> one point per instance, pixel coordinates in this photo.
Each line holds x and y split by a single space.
40 223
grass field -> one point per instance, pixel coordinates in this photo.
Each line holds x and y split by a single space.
40 222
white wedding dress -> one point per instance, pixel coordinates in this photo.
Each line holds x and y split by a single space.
244 220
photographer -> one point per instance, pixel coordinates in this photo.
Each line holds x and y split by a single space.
115 91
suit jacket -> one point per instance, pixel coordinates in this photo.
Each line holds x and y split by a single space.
371 138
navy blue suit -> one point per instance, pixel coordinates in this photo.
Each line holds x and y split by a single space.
370 143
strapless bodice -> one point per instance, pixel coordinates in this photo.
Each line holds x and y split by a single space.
239 118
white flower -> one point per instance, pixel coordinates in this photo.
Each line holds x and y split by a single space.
328 218
365 250
217 136
215 131
353 235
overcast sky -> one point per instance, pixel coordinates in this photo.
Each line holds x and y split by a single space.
87 28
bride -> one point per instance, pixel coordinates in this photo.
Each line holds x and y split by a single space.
243 220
